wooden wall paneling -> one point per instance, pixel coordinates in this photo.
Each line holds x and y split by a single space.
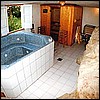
46 18
70 24
64 18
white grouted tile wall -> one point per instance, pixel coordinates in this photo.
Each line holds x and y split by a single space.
19 76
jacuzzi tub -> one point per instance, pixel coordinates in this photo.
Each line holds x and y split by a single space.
13 54
25 56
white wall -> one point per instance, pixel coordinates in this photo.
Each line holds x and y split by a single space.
4 21
36 16
90 16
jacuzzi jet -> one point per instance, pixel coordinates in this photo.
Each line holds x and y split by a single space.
27 51
18 39
5 55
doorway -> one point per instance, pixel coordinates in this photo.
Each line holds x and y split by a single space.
55 22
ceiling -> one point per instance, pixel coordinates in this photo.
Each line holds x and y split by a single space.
81 3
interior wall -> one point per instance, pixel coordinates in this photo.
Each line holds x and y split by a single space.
90 16
36 16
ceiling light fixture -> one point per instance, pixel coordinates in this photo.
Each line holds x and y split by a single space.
62 3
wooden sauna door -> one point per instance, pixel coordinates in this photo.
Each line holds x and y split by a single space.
55 22
46 18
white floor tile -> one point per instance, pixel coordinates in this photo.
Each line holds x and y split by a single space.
62 80
67 89
52 69
72 67
63 68
48 73
32 96
60 93
56 66
47 96
66 56
71 59
44 87
43 78
59 63
55 77
39 92
58 72
50 81
53 91
73 78
66 75
70 83
68 62
69 71
58 85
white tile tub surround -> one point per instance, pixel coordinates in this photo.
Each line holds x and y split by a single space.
20 75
